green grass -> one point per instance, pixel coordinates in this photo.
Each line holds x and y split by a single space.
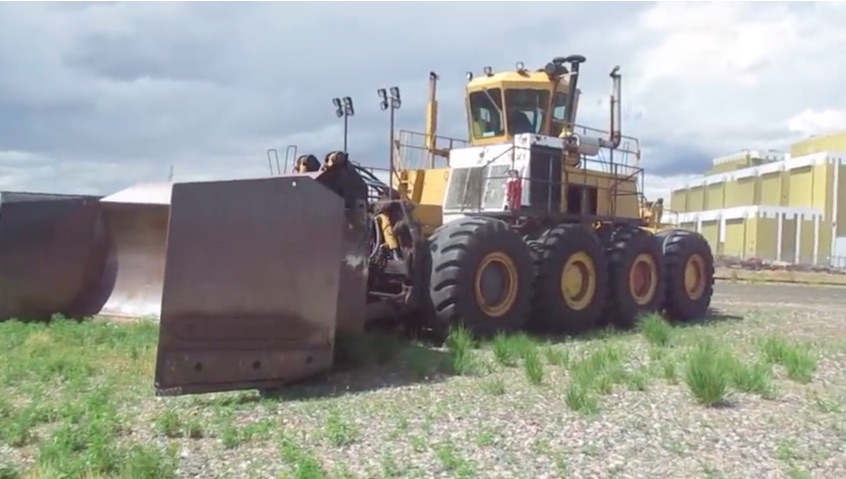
708 373
63 391
77 399
655 329
797 359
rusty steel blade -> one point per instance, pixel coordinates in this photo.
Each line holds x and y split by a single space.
83 256
130 284
251 284
52 248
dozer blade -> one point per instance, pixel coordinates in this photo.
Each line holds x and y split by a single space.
52 248
83 256
130 284
251 284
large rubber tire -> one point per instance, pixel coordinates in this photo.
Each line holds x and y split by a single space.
551 312
682 249
458 251
627 244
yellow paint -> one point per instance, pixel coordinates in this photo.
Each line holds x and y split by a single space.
806 248
711 231
429 217
715 196
841 208
678 201
767 238
513 79
751 238
771 190
643 279
608 187
497 259
800 187
695 276
696 199
387 230
735 243
832 142
426 189
578 281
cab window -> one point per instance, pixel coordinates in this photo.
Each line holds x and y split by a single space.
559 112
559 107
525 110
486 113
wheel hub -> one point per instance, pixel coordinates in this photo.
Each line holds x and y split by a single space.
496 284
694 277
578 281
643 279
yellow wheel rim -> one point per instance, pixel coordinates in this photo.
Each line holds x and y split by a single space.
496 284
694 276
643 279
578 281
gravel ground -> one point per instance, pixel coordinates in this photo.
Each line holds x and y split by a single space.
386 421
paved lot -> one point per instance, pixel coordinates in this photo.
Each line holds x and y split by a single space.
782 294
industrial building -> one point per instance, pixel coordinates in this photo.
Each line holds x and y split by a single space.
770 205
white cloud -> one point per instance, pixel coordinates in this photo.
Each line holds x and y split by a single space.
809 121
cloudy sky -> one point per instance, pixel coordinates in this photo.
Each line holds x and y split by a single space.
97 96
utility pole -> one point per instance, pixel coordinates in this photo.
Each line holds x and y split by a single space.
344 109
170 175
391 103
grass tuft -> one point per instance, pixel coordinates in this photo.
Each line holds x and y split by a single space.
708 373
655 329
460 344
797 359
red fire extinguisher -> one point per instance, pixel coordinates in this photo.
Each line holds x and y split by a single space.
513 191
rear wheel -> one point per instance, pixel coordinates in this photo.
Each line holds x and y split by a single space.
481 276
636 267
690 274
571 282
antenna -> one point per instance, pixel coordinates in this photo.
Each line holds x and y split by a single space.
170 175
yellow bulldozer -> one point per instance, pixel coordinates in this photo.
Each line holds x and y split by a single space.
532 223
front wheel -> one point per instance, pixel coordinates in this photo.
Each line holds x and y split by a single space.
481 276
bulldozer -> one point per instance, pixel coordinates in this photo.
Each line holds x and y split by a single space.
535 224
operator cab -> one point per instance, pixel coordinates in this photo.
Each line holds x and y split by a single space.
507 104
523 133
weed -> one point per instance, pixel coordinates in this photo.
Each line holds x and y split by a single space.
304 464
638 381
460 343
655 329
504 351
341 432
194 429
9 472
601 369
232 436
557 356
494 386
796 358
581 399
147 462
447 454
533 366
755 378
169 424
708 373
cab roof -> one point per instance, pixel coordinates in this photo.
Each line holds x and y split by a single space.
527 76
